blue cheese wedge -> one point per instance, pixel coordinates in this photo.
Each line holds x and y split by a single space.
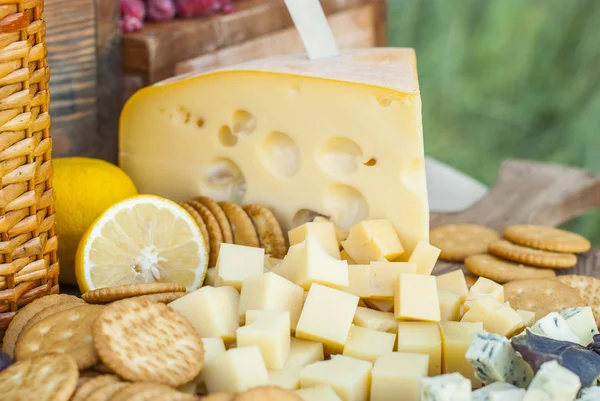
552 382
590 394
494 360
449 387
555 326
581 321
484 393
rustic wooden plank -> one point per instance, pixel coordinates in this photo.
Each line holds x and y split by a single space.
536 193
352 28
71 43
109 78
158 47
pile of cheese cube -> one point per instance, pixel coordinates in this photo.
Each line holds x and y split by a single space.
340 319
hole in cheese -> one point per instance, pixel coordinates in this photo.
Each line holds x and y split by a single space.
370 163
345 204
224 180
200 122
338 157
226 137
280 155
244 123
413 175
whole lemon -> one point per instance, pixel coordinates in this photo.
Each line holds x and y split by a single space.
84 189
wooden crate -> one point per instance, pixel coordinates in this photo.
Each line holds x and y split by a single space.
154 53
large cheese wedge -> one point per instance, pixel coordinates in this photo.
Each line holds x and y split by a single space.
340 137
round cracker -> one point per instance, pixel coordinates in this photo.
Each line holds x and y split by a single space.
110 294
503 271
220 215
198 219
50 377
173 395
140 391
459 241
27 312
86 389
48 312
546 238
143 340
588 288
268 393
106 392
214 230
531 256
269 231
163 298
241 225
68 332
541 296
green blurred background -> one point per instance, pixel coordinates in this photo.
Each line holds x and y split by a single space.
507 78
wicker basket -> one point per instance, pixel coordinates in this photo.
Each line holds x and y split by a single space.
28 243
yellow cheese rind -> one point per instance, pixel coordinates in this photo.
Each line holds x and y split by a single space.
368 344
422 338
398 373
456 339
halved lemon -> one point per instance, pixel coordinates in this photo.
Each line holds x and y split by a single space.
143 239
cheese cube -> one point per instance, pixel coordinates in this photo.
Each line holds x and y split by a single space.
527 316
383 305
212 311
308 262
372 240
326 317
236 370
340 233
449 305
581 321
359 277
375 320
449 387
481 309
456 340
210 277
350 378
368 344
485 287
498 388
422 338
425 256
236 263
384 275
269 331
324 232
556 327
415 298
270 291
505 321
213 347
455 282
344 256
319 393
397 373
553 382
301 353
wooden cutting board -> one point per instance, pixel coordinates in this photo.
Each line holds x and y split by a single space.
536 193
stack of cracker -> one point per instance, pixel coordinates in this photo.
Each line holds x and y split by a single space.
226 222
115 344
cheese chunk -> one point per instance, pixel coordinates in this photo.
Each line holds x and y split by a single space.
324 232
505 321
319 393
455 282
236 370
368 344
527 316
397 373
375 320
308 262
326 317
213 347
422 338
425 257
350 378
270 332
212 311
301 353
384 276
590 394
552 382
449 305
210 277
236 263
449 387
494 360
359 277
485 287
480 309
415 298
373 240
581 321
499 391
383 305
340 233
270 291
289 133
456 340
555 326
344 256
